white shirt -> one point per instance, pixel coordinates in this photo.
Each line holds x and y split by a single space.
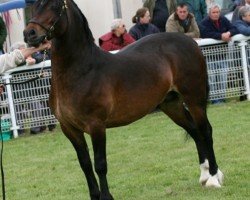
10 60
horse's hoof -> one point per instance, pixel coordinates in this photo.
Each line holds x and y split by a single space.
205 175
213 181
220 176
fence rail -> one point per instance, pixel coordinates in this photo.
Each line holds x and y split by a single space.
26 105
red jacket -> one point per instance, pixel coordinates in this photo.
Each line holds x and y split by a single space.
110 42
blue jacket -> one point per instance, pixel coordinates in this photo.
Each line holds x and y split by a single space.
243 27
209 30
141 30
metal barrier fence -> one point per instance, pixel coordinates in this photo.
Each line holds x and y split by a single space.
26 105
228 67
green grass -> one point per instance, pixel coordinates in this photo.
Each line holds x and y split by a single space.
150 159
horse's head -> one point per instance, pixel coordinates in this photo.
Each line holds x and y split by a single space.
48 21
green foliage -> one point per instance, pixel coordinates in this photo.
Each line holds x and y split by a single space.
150 159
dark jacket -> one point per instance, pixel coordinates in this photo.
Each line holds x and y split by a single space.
150 4
141 30
243 27
3 33
209 30
160 10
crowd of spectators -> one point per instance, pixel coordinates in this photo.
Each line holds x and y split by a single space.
190 17
195 18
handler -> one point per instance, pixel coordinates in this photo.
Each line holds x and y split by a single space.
16 57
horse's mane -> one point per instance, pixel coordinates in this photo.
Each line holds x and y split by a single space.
88 32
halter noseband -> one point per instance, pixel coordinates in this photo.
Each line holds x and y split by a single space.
50 30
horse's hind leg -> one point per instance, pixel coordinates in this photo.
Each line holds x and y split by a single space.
79 143
204 140
199 129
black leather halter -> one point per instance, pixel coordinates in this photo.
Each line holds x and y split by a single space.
50 30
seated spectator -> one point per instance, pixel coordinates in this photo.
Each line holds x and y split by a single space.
182 21
236 15
243 24
198 8
142 26
117 38
160 10
217 27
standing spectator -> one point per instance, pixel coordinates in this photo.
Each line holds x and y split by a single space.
3 34
197 7
236 11
217 27
238 2
159 11
142 26
182 21
117 38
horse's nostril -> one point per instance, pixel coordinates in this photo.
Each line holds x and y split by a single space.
32 32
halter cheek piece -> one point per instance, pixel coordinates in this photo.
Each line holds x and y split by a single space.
50 30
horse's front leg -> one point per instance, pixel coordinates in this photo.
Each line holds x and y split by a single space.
98 136
79 143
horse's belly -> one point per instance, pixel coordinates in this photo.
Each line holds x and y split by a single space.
123 114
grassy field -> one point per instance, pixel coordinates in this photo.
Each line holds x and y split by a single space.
150 159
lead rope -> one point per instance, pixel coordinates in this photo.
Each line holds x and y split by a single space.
2 172
40 75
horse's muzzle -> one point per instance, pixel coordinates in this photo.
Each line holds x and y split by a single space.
32 38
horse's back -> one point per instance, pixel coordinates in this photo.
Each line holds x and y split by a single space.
176 42
176 51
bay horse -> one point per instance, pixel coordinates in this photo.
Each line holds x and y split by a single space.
92 90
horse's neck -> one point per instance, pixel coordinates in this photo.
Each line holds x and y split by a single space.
76 46
73 55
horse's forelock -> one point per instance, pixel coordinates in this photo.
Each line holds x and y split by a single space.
41 5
